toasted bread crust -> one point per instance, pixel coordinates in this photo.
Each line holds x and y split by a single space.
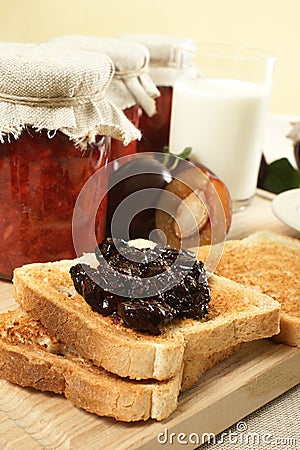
87 386
237 314
290 331
269 263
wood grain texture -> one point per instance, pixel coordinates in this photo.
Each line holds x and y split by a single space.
13 437
258 373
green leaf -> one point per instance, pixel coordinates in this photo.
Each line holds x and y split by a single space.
280 176
183 155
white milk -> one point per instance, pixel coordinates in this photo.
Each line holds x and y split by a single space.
222 120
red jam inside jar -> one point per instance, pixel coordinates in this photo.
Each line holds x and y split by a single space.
117 148
41 178
156 129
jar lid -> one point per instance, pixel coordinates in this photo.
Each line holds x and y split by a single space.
162 54
131 83
59 89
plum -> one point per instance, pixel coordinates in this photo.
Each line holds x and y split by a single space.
199 217
138 184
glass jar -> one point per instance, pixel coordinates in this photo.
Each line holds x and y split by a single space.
40 181
156 128
55 131
132 89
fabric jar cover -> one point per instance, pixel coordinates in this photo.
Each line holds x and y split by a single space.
131 83
59 89
162 54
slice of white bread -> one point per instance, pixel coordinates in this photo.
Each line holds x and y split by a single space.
270 263
236 314
29 357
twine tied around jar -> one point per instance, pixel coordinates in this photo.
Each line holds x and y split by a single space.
49 101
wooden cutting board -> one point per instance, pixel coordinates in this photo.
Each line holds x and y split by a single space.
258 373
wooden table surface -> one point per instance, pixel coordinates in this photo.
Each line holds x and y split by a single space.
258 373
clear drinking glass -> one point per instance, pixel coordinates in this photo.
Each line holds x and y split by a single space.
220 111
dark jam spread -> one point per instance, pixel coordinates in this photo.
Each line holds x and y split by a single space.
187 297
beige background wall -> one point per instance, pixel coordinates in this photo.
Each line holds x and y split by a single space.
269 24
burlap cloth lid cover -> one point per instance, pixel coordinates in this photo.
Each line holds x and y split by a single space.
162 54
131 83
59 89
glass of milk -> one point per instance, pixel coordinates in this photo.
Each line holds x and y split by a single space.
220 111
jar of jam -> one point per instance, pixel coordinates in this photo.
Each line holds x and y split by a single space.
131 89
55 129
155 129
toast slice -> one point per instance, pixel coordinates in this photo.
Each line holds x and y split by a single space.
29 357
195 367
270 263
237 314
